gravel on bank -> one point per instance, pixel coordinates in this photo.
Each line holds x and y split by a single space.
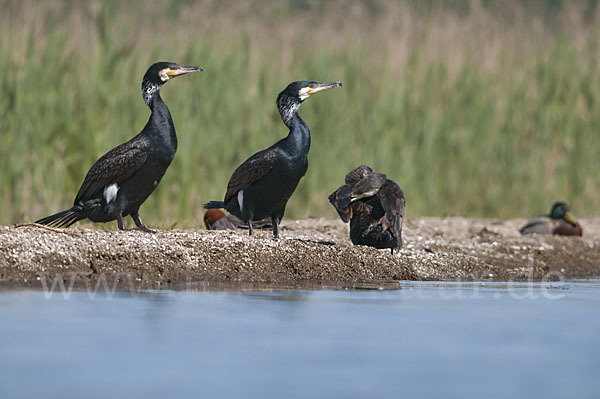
310 251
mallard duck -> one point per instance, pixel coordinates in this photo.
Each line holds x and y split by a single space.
560 221
215 219
374 205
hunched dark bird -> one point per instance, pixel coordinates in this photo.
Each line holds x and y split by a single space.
559 221
374 205
123 178
261 186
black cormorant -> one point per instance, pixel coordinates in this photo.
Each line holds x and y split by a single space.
560 221
121 180
261 187
374 205
361 182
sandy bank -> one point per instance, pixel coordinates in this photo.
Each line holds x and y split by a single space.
310 251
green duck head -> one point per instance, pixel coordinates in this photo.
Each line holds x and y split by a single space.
560 210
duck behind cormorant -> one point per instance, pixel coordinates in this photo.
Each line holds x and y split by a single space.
374 205
215 219
121 180
261 186
560 221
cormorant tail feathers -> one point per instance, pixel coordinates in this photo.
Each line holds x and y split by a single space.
61 219
214 205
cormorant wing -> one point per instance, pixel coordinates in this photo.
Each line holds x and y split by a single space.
341 199
115 166
347 194
392 202
255 168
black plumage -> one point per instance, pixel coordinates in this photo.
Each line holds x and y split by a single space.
261 186
361 182
123 178
374 206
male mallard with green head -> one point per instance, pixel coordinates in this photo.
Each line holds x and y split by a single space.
560 221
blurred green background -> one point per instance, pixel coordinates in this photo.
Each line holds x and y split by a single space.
476 108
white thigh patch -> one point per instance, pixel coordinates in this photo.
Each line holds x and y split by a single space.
110 192
240 198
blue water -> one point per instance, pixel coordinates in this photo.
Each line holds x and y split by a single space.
421 340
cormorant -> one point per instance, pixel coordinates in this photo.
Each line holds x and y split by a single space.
215 219
374 205
560 221
361 182
121 180
262 185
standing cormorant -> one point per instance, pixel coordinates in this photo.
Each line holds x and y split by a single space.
560 221
374 205
121 180
261 186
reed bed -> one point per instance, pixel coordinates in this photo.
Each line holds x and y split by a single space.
480 108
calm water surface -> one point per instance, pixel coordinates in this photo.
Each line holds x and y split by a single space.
421 340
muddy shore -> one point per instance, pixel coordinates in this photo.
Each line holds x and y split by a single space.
311 253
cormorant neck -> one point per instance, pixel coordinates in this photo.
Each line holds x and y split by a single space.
158 107
298 140
288 109
160 125
299 137
149 90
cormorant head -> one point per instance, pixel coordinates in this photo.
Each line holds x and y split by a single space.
560 210
159 73
289 100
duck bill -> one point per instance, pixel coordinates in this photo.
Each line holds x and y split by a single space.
323 86
183 70
570 218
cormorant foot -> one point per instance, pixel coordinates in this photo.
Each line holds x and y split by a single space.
140 225
145 229
275 222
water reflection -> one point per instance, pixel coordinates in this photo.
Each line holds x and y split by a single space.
419 339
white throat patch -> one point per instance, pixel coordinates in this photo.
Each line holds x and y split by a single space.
110 192
163 74
304 93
